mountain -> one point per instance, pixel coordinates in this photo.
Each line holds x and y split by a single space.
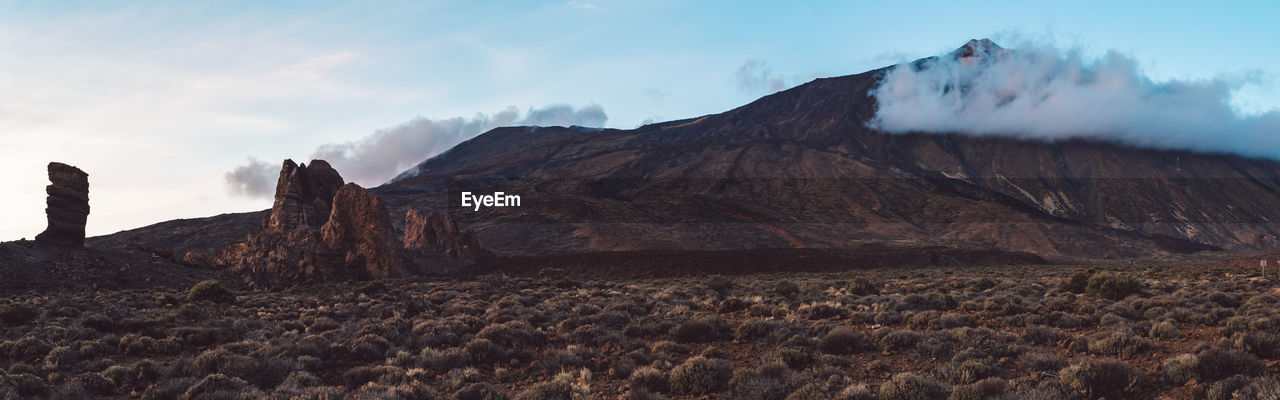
800 168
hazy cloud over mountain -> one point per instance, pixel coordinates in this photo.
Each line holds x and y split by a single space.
1047 93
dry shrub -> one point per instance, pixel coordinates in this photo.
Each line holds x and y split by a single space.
1096 379
842 340
908 386
1113 285
211 291
700 375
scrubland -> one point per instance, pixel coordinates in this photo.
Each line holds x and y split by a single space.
1015 332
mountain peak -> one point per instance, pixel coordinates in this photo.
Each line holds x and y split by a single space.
979 48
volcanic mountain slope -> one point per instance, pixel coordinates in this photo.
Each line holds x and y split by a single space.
801 169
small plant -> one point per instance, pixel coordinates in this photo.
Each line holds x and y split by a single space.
565 385
1103 378
1077 283
1041 335
15 314
1181 369
908 386
1261 344
972 371
28 384
1164 330
990 388
755 328
797 358
1118 344
856 392
1226 389
478 391
785 288
860 286
649 379
770 381
1113 285
211 291
842 341
513 334
720 284
1218 363
700 375
217 386
697 330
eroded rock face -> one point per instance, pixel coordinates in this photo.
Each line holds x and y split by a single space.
318 230
68 205
360 224
304 195
437 233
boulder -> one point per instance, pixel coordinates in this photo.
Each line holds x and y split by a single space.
67 205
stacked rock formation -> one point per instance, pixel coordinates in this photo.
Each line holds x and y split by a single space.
67 206
437 233
322 230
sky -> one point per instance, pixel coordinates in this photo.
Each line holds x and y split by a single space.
175 109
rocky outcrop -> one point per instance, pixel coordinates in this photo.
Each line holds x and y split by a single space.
304 195
437 233
68 205
318 230
359 224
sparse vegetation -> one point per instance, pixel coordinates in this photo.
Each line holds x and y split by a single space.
919 335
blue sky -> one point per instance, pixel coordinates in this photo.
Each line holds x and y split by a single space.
158 100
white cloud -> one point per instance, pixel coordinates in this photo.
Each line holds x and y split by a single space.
1046 93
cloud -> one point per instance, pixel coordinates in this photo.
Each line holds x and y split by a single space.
565 115
756 76
255 178
376 158
1047 93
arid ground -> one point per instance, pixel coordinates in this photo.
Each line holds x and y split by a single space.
1025 332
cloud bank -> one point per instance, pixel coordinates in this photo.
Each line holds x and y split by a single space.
378 157
1046 93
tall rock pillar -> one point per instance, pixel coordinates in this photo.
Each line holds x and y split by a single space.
68 205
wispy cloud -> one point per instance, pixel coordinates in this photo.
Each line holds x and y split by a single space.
378 157
756 76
